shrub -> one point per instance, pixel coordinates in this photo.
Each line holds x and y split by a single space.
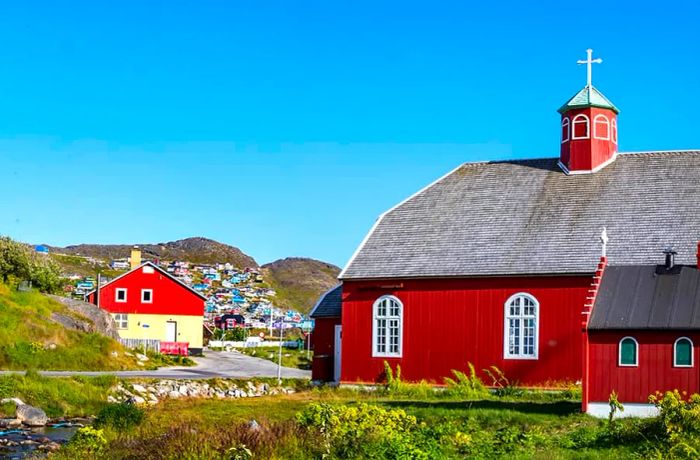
503 386
87 440
364 431
679 423
119 416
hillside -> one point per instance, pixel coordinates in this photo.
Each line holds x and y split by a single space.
195 250
299 281
33 336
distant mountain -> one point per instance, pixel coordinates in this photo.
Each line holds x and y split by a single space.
195 250
299 282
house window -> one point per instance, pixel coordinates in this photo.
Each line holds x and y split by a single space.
120 295
387 329
683 352
565 130
521 327
628 350
146 295
122 320
601 127
613 133
581 127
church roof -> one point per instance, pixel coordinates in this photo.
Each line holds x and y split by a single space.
648 297
330 304
589 96
526 217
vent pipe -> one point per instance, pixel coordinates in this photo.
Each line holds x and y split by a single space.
670 258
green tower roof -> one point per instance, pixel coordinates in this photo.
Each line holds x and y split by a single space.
589 96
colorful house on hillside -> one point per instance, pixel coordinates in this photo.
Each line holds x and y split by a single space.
149 303
500 263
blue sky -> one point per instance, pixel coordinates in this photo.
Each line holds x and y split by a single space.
285 128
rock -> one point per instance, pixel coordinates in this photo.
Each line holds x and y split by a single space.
253 425
174 394
182 390
141 357
114 354
140 363
10 422
50 346
126 353
111 399
31 416
139 400
138 388
17 401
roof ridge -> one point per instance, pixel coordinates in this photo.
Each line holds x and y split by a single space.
661 152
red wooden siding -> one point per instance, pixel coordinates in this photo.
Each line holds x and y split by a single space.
655 371
450 322
169 296
586 154
323 339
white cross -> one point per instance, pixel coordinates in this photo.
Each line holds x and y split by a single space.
589 63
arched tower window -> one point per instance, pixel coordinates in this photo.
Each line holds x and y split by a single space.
387 327
628 352
613 131
565 130
581 128
521 327
683 352
601 127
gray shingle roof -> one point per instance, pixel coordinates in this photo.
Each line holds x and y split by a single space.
636 297
527 217
329 305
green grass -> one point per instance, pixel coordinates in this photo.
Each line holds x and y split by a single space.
58 397
290 357
29 339
82 266
454 428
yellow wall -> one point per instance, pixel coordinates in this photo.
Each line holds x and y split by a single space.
189 328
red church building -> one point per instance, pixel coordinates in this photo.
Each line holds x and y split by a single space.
496 263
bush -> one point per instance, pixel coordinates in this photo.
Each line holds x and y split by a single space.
466 386
365 431
679 423
87 440
119 416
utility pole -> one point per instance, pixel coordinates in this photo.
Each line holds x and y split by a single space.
279 362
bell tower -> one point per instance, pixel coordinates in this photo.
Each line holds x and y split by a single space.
588 128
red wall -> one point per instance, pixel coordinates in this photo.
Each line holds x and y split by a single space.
654 373
450 322
586 154
323 339
169 296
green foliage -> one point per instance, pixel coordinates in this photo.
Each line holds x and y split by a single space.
365 431
119 416
87 441
17 260
503 386
466 386
679 424
615 406
240 452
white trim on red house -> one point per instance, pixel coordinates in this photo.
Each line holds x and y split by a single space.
606 122
602 410
566 122
636 352
387 317
692 352
381 216
573 126
157 268
506 317
116 295
150 297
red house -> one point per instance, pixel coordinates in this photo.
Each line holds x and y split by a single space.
149 303
495 262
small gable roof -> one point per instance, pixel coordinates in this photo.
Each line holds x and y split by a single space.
526 217
330 304
160 270
645 297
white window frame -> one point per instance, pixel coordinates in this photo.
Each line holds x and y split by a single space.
506 328
116 295
692 353
613 130
121 318
577 120
150 291
565 123
636 352
375 320
605 122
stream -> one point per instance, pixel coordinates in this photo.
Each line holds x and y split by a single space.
21 442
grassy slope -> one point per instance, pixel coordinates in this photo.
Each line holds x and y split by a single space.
299 282
71 264
26 331
207 428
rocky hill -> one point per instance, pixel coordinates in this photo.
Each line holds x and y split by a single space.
195 250
299 281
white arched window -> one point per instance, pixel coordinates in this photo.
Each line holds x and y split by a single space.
613 131
387 327
683 352
565 130
581 128
628 352
601 127
521 327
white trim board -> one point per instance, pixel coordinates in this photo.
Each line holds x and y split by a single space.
602 410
